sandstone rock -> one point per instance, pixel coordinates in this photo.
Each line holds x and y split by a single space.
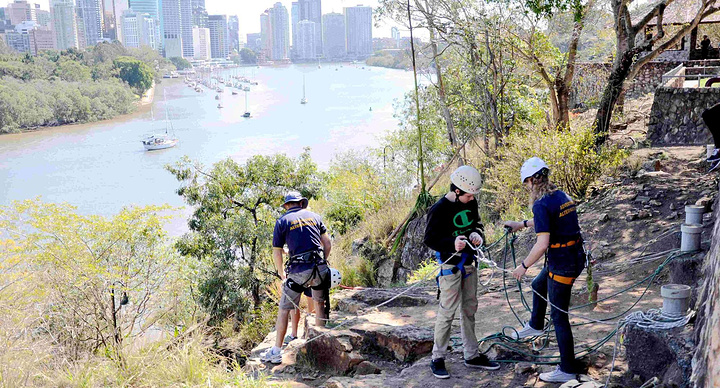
642 199
333 351
570 384
367 368
604 217
672 206
522 368
631 216
398 343
643 214
655 203
705 201
653 352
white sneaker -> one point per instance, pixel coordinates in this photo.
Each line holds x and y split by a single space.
271 357
557 376
525 332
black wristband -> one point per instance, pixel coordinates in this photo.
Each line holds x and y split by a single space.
523 264
525 224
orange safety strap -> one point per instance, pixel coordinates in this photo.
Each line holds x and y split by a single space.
561 279
567 244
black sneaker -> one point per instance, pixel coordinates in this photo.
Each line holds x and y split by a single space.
438 369
715 156
715 166
483 362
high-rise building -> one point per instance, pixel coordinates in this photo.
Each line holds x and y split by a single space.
201 43
64 24
254 42
2 14
29 37
294 19
358 27
199 17
309 10
139 29
20 11
172 28
280 24
89 19
219 42
305 46
234 33
186 25
266 36
152 8
112 18
334 36
395 34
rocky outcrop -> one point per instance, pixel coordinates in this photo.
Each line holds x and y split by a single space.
665 354
706 360
414 250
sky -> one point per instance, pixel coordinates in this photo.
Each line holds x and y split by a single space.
249 11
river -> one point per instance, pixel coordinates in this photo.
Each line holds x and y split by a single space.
102 167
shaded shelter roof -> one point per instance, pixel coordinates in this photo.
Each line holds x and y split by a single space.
682 12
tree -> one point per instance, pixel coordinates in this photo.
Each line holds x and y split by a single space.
634 51
98 280
180 63
235 206
72 71
556 69
248 56
135 72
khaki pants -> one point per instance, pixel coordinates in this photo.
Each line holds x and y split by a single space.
454 291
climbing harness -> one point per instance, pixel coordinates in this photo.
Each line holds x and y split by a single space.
451 271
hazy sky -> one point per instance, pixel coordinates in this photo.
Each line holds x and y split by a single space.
249 11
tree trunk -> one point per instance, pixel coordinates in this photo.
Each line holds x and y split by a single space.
563 105
610 97
452 136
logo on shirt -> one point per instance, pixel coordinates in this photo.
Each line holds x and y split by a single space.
462 219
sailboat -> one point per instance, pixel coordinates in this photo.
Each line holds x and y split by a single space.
247 112
303 100
160 141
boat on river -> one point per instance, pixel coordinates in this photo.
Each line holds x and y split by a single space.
159 142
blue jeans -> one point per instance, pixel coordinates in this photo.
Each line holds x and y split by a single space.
559 295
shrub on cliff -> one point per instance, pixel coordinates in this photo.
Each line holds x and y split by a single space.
574 163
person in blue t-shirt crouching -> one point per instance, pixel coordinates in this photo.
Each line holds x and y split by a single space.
308 248
558 236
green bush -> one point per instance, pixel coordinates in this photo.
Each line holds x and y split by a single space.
574 164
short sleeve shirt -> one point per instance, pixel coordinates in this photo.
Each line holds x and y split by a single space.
300 229
555 214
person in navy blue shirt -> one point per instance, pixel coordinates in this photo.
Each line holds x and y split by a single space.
308 249
558 236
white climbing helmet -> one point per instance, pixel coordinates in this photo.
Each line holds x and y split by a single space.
531 167
335 278
467 179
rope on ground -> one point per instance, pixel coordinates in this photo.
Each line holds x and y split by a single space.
372 308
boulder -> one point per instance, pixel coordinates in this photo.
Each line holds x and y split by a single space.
367 368
414 250
396 343
653 353
333 351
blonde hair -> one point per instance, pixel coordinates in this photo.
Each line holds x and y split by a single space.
540 188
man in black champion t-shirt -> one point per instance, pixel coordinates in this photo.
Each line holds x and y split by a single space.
453 224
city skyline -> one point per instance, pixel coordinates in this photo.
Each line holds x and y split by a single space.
248 11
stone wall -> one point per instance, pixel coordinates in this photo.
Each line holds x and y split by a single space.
675 117
706 360
591 78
